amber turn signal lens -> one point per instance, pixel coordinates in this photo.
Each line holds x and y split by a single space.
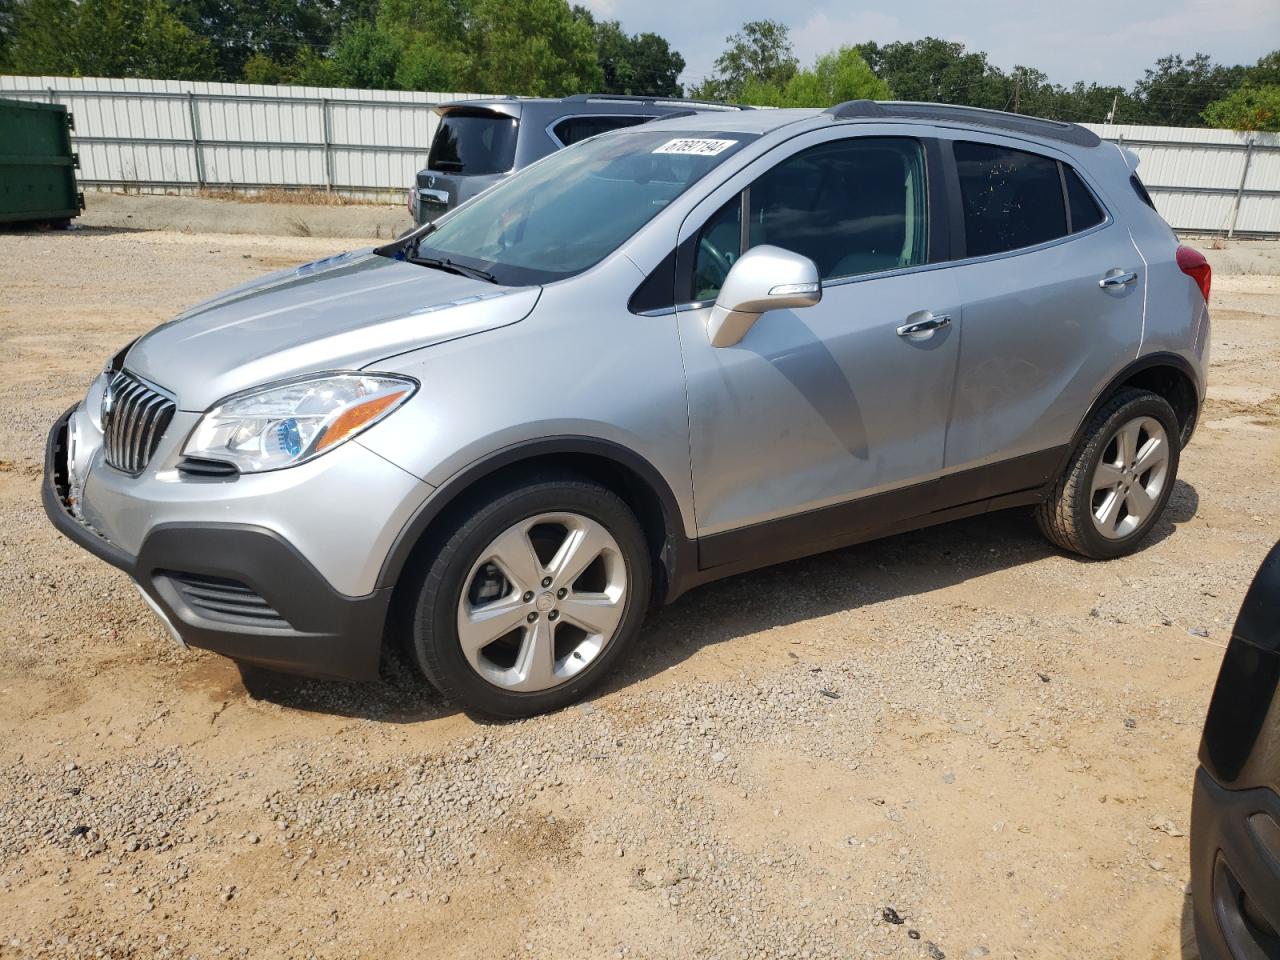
355 418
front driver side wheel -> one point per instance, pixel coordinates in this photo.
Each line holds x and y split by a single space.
1119 478
533 597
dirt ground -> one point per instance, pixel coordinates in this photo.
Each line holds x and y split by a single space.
954 743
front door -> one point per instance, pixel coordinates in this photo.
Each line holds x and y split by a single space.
830 418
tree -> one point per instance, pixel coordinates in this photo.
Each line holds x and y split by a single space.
365 56
638 65
108 38
1175 92
835 77
1265 72
278 29
937 71
532 47
8 16
760 52
1247 108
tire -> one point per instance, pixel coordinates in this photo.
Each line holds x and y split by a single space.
1088 511
479 569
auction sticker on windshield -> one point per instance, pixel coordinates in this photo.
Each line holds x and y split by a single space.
696 146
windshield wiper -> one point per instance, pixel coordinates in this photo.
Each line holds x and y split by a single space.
452 266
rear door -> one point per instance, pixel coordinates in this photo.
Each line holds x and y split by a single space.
1053 294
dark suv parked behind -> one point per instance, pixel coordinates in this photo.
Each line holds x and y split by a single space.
480 142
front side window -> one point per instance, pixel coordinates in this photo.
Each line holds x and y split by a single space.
851 206
571 130
1011 198
569 211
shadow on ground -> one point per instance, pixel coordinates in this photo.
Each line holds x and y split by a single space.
869 573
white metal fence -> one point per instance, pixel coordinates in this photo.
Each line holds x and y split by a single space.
171 135
175 135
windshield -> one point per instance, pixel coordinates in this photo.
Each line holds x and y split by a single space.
571 210
474 143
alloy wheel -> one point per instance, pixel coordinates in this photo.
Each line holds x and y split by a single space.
542 602
1129 478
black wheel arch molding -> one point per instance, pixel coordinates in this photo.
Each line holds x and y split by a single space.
661 516
1133 371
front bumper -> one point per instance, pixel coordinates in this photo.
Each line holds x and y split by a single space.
1235 871
237 589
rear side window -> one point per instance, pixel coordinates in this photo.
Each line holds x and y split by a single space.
1141 190
572 129
1084 210
474 143
1011 198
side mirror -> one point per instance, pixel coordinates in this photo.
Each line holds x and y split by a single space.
764 278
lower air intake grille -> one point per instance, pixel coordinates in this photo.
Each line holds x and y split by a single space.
134 418
226 601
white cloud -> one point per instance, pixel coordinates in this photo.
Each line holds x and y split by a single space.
822 33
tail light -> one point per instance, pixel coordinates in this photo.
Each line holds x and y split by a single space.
1192 262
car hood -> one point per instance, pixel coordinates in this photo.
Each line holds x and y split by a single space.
345 312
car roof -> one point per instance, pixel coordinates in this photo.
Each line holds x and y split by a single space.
873 111
590 103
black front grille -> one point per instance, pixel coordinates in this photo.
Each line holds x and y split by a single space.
134 418
226 601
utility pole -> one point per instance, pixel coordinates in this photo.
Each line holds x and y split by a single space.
1017 90
1111 116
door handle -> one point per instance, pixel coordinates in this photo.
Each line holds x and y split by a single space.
1115 280
926 326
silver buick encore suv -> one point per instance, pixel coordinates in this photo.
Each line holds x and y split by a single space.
663 355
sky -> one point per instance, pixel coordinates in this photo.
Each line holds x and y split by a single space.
1102 41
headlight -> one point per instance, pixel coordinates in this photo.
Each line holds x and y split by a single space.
288 424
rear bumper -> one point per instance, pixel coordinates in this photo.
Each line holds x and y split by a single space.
1235 871
311 629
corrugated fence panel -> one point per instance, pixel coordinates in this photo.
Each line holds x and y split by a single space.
1212 181
170 134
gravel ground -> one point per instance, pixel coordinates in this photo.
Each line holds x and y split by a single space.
954 743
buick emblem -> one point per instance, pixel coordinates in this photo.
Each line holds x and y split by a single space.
431 181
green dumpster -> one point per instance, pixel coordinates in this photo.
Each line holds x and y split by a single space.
37 167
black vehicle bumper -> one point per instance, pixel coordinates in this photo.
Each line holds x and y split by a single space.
239 590
1235 871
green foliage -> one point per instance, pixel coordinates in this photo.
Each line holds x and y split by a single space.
278 29
641 64
1176 91
365 56
760 53
107 38
834 78
426 64
1247 108
8 14
1265 72
936 71
535 47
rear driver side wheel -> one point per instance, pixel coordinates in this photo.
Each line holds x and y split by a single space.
1119 478
534 596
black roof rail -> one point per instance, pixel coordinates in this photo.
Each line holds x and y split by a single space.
855 110
681 101
996 119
